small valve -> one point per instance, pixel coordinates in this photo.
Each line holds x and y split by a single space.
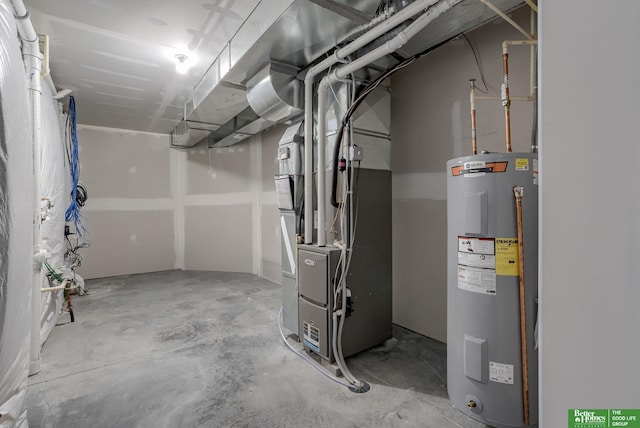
471 404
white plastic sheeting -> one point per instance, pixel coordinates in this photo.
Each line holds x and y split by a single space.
15 225
54 189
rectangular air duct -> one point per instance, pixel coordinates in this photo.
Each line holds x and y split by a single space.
296 33
188 134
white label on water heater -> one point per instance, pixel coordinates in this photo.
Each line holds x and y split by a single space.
477 264
501 373
477 280
486 261
467 244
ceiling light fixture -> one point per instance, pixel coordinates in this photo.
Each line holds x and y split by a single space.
182 63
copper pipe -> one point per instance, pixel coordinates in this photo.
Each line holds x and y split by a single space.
67 297
474 141
518 192
506 102
494 98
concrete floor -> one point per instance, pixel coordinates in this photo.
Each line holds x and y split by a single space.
202 349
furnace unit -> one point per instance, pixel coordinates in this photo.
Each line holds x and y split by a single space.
369 297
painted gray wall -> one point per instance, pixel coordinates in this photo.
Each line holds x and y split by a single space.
590 210
430 124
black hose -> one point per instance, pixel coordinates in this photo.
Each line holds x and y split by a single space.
336 158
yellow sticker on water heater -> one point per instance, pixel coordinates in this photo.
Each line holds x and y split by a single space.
522 164
507 256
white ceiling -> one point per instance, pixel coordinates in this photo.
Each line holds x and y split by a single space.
118 55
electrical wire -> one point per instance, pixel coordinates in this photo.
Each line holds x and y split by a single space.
78 198
81 195
480 69
72 251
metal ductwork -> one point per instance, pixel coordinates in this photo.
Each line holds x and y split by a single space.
291 33
188 134
274 96
240 127
275 93
232 101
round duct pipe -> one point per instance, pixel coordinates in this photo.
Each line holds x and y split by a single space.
274 93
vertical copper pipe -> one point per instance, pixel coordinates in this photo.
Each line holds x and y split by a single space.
472 100
518 192
506 101
67 297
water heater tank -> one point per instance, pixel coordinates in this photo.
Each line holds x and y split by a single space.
484 352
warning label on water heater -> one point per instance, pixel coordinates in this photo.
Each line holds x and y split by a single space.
507 256
477 264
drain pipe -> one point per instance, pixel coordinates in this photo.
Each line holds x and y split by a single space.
33 66
339 55
341 73
46 70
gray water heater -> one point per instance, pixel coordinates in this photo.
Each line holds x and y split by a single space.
485 355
